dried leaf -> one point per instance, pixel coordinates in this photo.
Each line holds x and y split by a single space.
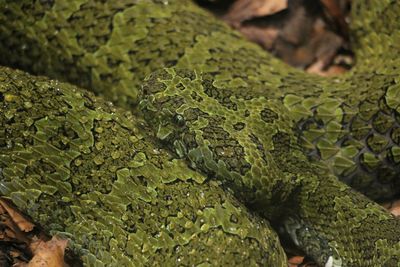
15 253
295 261
336 12
48 254
242 10
11 231
333 70
298 25
20 220
263 36
393 207
2 210
306 35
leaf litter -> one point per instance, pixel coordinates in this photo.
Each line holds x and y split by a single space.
310 35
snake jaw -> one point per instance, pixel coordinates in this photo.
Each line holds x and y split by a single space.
300 233
333 262
291 226
329 262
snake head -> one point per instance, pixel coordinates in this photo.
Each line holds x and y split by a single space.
160 106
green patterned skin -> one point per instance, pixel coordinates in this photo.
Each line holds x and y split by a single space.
87 171
250 146
110 47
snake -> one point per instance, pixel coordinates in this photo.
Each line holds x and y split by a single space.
264 142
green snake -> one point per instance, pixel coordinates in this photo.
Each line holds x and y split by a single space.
272 136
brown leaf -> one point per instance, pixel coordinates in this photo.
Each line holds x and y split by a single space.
295 261
326 44
48 254
336 12
299 24
393 207
20 220
11 231
263 36
2 210
334 70
242 10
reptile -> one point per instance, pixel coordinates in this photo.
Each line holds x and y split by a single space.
111 47
81 168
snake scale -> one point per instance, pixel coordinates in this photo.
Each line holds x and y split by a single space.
144 186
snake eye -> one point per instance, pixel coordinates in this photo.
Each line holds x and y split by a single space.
179 120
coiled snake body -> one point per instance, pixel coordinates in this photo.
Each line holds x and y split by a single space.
228 109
